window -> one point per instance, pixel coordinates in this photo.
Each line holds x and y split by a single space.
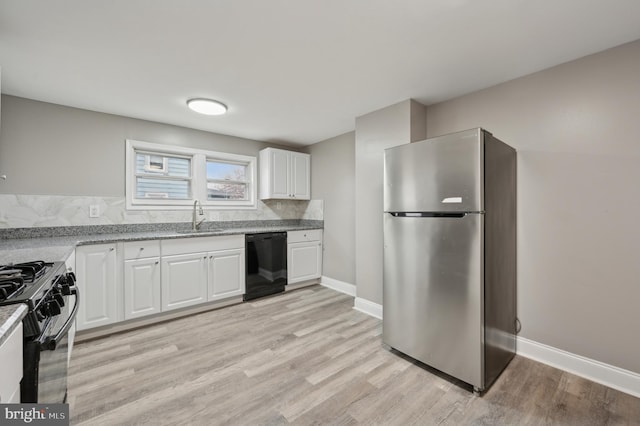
226 181
160 176
171 177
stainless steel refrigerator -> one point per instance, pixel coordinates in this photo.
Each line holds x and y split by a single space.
449 293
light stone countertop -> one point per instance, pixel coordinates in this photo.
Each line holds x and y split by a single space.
45 245
10 317
53 248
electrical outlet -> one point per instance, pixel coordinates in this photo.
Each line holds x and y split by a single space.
278 205
94 210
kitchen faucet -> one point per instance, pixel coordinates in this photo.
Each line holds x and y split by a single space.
195 225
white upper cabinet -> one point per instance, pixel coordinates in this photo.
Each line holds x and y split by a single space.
301 176
284 175
276 172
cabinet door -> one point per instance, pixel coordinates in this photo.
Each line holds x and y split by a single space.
304 261
279 162
184 280
97 280
11 362
226 274
141 287
300 176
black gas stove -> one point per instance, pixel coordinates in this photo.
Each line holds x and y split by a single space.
40 285
50 294
22 281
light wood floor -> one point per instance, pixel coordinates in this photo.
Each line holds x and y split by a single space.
306 357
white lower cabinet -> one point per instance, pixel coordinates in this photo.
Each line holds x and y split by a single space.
304 255
226 274
184 280
126 281
141 287
11 362
98 282
197 270
70 264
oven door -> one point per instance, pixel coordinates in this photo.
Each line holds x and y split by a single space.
46 357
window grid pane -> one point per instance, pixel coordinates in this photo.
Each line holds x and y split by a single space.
158 164
221 170
172 189
227 191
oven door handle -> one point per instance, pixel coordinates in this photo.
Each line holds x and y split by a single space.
51 342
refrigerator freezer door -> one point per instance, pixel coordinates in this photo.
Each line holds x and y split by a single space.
433 292
438 174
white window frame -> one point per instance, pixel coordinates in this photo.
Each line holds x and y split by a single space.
199 159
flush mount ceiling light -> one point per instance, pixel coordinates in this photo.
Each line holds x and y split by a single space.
207 106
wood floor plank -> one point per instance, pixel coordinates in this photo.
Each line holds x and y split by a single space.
306 357
347 360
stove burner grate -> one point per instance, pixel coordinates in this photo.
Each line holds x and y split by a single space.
14 278
28 271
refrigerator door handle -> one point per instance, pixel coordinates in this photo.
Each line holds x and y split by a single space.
451 200
427 214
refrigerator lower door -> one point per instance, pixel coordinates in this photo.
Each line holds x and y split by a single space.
433 292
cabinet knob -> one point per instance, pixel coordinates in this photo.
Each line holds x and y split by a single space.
141 248
111 249
157 262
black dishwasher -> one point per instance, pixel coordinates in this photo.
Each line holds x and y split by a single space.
266 261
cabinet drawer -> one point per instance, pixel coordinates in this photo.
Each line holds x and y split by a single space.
303 236
201 244
141 249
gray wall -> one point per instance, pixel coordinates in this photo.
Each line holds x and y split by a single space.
332 180
576 128
48 149
394 125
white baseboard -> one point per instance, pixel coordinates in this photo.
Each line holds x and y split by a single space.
359 304
340 286
614 377
368 307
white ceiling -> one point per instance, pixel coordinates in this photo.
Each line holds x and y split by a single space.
291 71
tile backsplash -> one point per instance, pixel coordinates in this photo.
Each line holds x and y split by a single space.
23 211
